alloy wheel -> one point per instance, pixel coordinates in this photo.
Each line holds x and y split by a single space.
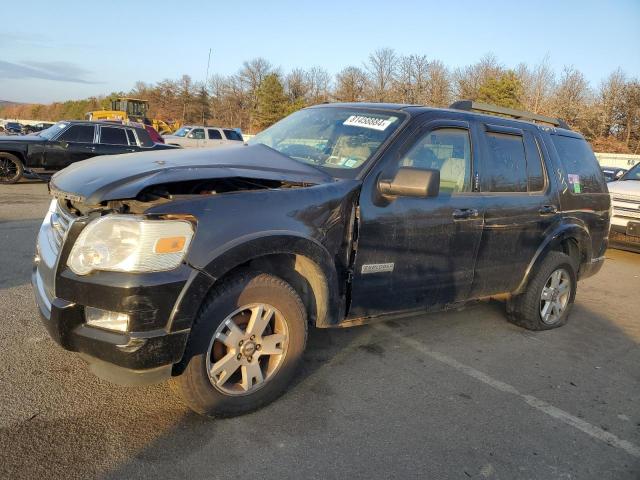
8 169
247 349
555 296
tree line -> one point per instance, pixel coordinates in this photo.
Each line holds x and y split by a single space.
260 93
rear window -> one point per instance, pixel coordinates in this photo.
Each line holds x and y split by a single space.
113 136
580 164
233 135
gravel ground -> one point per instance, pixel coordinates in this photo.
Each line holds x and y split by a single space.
454 395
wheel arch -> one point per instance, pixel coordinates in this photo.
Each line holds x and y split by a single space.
21 155
301 261
572 239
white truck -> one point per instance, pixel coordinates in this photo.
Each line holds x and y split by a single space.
197 136
625 221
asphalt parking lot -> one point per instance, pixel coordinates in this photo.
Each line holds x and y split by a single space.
455 395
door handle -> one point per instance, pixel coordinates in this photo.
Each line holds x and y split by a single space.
464 213
548 209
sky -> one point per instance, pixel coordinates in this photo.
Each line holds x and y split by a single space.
55 51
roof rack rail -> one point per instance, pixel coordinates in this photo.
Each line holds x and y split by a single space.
470 106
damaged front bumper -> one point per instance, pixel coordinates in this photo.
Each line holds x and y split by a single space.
131 358
159 306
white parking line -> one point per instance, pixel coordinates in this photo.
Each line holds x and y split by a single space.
535 402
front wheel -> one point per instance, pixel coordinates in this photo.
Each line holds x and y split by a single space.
11 168
244 347
549 295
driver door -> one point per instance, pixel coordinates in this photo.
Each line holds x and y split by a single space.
74 144
195 138
419 253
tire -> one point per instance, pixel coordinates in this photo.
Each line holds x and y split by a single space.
214 343
528 309
11 168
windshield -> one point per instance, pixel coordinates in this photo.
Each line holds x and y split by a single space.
182 132
340 140
632 174
50 132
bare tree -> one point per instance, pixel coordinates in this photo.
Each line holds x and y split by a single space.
537 83
468 80
319 83
296 86
571 96
410 83
438 91
381 69
610 102
351 85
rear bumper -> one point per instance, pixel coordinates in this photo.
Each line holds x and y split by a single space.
124 358
619 239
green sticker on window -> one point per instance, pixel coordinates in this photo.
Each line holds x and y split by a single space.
577 188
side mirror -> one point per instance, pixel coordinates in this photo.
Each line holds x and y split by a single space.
412 182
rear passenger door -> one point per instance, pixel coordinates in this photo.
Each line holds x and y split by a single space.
519 202
214 138
114 140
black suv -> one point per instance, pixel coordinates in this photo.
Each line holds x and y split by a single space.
66 142
206 267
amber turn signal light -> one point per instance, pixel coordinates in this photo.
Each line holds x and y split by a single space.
170 245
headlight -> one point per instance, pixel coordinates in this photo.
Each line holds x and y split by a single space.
127 243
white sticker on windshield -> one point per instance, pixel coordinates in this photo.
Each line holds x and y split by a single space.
368 122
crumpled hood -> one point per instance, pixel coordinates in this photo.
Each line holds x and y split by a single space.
116 177
625 187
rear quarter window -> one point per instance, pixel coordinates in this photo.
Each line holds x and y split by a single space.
583 174
143 136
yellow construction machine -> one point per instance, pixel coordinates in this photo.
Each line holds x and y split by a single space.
133 110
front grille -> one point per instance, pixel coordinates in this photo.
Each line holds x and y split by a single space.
60 221
626 212
626 205
626 198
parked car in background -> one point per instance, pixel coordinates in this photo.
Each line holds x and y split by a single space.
625 222
67 142
13 128
191 136
612 173
208 267
38 127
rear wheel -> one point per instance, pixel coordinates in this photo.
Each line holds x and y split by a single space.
11 168
549 295
244 347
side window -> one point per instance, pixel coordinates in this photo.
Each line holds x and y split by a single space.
506 168
196 134
580 164
143 136
113 136
78 134
214 134
534 165
131 137
233 135
447 150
